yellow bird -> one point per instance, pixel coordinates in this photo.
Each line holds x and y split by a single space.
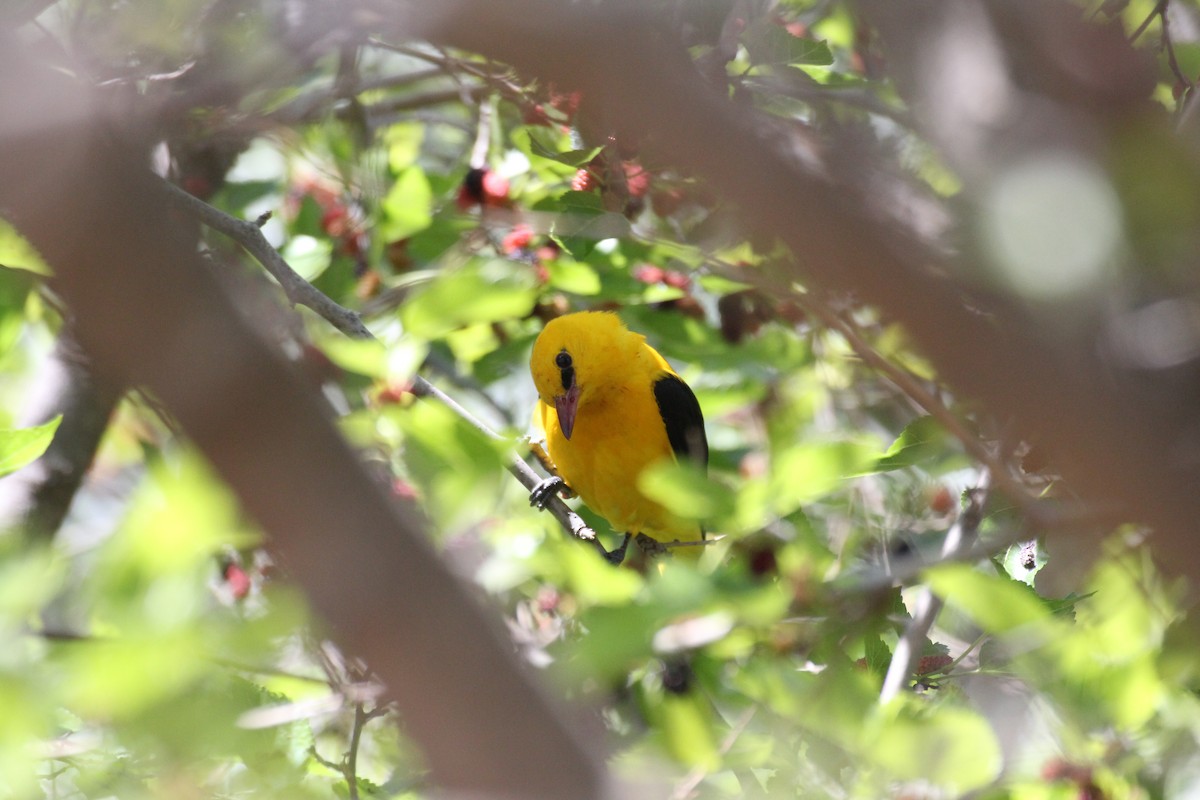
611 406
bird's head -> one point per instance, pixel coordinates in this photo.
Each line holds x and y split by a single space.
575 357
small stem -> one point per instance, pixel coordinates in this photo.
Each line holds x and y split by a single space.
928 604
301 292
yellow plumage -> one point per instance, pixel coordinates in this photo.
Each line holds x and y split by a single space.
610 406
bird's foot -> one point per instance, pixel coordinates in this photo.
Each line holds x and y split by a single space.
650 546
541 494
615 557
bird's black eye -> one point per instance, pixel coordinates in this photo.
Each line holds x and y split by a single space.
563 360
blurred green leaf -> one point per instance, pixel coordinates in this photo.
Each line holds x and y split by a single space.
22 446
1024 560
685 491
770 43
997 604
686 725
403 141
921 440
949 747
307 255
407 206
479 291
17 253
573 276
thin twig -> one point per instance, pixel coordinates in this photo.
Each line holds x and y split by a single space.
690 781
904 570
1159 9
1170 48
928 604
300 291
350 768
570 521
250 236
483 136
907 383
929 403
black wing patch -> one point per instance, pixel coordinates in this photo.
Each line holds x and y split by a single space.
680 411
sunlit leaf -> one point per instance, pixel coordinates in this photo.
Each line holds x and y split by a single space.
403 142
407 206
307 255
573 276
770 43
480 291
17 253
921 440
22 446
949 747
997 604
685 491
686 725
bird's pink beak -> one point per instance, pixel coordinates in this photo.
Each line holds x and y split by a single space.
566 405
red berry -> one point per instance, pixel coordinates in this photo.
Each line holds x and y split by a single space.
637 179
548 599
495 188
676 280
941 500
403 489
648 273
566 102
584 180
929 664
797 29
753 465
394 393
368 285
197 186
547 252
666 202
535 115
237 580
518 238
481 186
335 220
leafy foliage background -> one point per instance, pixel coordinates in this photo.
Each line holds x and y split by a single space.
152 646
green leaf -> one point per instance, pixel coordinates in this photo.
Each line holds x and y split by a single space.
361 356
22 446
16 251
877 654
953 748
808 471
997 604
1024 560
767 42
922 440
308 255
686 724
403 141
543 142
573 276
684 491
480 291
406 208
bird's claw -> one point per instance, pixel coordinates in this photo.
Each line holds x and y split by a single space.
651 546
541 494
615 557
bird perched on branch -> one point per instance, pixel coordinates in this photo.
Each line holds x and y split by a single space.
610 407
